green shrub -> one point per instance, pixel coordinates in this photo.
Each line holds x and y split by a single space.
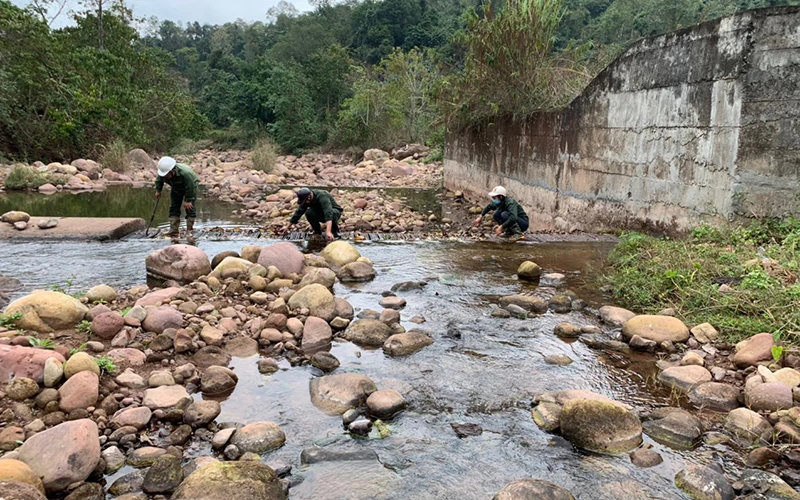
106 364
264 155
115 156
25 177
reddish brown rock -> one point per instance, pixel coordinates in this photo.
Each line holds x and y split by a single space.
19 361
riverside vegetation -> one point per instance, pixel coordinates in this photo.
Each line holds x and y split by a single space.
355 74
743 280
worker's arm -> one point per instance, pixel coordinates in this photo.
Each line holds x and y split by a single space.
159 185
488 208
327 209
190 195
301 209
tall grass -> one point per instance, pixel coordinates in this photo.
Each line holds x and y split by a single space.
510 67
759 264
264 155
115 156
24 177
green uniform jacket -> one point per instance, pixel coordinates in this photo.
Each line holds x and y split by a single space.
514 209
323 203
183 182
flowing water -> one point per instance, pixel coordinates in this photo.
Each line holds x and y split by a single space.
479 370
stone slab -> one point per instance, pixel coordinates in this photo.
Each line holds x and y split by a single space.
76 228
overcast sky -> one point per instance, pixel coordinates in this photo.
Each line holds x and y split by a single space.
203 11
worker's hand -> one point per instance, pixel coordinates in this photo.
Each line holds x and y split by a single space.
283 230
477 221
498 230
328 235
188 205
158 195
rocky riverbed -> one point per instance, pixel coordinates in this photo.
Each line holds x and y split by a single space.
278 372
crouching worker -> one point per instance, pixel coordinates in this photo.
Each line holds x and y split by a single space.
510 217
319 208
183 191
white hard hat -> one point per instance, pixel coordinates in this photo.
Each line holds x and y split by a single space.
498 191
165 164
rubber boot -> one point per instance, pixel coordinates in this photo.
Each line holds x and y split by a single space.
174 227
514 231
190 225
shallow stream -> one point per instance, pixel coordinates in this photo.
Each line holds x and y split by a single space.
480 370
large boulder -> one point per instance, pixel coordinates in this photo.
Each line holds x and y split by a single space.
107 325
285 256
704 483
529 271
15 470
15 490
138 159
156 297
335 394
749 352
231 267
79 392
14 216
748 425
715 396
656 328
101 293
356 272
368 332
45 311
340 253
403 344
28 362
182 263
768 484
527 302
64 454
684 378
675 427
770 396
317 335
320 275
218 380
533 489
600 426
316 298
162 318
242 480
166 396
260 437
615 316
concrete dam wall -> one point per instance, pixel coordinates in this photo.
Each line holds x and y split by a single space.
699 125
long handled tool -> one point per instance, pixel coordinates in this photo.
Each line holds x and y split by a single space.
152 218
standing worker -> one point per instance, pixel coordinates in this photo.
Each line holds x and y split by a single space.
508 214
319 208
183 190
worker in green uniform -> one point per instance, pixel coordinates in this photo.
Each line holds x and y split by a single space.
183 191
510 217
319 208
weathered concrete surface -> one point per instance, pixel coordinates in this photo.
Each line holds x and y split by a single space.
696 125
75 228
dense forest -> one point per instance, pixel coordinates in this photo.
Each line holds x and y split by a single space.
352 74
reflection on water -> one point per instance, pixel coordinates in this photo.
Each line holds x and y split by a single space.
479 370
116 201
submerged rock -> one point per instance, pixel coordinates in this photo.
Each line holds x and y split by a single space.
260 437
368 332
244 480
600 426
403 344
533 489
704 483
337 393
676 428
